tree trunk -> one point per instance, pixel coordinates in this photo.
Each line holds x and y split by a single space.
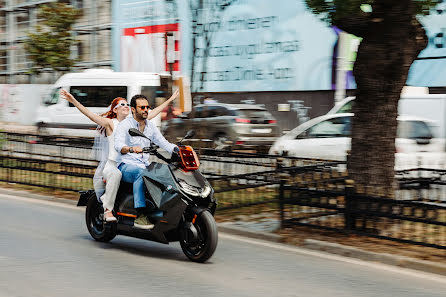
392 42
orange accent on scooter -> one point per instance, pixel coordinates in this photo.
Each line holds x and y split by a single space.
193 220
189 159
126 214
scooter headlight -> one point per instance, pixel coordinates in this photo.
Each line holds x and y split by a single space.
189 189
206 191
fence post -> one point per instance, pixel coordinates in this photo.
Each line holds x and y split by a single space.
349 216
420 180
281 191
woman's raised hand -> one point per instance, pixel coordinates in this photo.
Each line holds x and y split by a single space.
67 96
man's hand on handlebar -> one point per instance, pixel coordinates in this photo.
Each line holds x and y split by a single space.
134 149
175 155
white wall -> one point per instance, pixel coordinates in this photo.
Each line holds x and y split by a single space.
19 103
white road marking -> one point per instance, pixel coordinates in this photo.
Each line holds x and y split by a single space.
283 247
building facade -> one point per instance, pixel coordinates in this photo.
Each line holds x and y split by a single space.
92 32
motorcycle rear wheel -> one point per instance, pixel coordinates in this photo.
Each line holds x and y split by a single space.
95 224
202 249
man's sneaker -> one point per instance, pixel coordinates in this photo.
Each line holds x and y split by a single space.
143 222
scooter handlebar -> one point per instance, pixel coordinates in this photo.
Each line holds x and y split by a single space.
150 149
154 151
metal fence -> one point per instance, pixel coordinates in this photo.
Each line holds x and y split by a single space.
56 162
304 192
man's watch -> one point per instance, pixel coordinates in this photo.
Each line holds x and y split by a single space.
131 149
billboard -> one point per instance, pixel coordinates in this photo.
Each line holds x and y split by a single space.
145 36
430 69
227 46
249 45
256 45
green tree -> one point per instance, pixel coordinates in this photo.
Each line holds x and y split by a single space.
392 38
49 46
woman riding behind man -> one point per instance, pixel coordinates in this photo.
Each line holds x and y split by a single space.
107 122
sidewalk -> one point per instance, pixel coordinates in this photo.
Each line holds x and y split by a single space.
266 227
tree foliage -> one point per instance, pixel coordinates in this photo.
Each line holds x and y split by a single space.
334 10
49 46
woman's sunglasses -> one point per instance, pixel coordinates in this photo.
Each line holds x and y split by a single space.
123 104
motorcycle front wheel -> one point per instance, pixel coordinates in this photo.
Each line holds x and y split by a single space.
200 249
94 216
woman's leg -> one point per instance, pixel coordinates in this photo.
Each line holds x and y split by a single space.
98 183
113 177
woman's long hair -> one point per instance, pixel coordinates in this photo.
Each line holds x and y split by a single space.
110 114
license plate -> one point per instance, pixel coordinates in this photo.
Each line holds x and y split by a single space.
267 130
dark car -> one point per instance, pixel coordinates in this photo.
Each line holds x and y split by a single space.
226 125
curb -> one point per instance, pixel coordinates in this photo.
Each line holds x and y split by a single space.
401 261
310 244
229 228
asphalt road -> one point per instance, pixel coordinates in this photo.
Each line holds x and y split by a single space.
45 250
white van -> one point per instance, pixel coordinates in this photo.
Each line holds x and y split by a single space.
95 89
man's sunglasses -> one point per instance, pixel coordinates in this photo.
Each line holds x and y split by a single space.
123 104
144 107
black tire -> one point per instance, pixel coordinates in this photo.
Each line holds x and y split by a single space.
202 249
95 223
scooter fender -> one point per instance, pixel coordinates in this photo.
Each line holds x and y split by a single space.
198 210
84 197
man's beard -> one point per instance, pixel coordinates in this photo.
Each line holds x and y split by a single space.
141 116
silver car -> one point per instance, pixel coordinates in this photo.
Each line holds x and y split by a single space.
226 124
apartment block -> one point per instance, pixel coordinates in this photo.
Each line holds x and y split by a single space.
92 32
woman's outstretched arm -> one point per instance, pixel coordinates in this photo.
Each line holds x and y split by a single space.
101 121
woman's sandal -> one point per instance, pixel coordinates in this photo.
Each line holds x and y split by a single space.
109 217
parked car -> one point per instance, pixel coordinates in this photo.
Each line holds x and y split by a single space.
226 125
428 106
328 137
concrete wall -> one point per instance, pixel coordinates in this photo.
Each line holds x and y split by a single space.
19 103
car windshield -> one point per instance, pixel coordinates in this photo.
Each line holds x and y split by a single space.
53 97
337 127
347 107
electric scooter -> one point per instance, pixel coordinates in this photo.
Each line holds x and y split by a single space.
182 197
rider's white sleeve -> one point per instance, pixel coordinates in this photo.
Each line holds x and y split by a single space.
121 135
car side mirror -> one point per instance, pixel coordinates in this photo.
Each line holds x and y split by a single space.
183 116
423 141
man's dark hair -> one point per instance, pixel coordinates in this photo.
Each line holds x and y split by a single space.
134 98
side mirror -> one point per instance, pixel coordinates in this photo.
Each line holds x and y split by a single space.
189 134
422 141
183 116
136 132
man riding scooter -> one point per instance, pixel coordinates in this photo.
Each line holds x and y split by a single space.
131 160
